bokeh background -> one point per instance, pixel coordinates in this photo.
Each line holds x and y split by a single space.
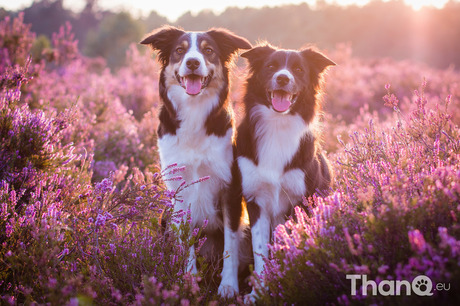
397 29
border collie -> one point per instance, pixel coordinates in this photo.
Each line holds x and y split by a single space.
278 159
196 127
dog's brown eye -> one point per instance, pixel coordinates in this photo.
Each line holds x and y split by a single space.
208 51
298 69
180 50
271 66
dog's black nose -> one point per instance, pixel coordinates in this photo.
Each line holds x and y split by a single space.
192 63
282 80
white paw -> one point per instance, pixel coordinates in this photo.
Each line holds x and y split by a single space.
191 267
227 290
250 299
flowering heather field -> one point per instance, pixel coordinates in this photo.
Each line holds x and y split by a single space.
81 196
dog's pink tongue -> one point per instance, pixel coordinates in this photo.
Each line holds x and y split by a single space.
192 85
280 101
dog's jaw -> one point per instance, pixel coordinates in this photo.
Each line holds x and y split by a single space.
281 100
282 91
194 84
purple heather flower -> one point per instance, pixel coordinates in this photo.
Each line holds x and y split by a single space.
417 241
195 232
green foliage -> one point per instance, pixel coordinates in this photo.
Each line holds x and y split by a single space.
113 37
39 47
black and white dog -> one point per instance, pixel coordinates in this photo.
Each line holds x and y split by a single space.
278 159
196 127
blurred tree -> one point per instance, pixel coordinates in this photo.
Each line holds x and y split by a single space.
377 29
3 13
113 37
88 20
42 43
90 5
46 16
154 20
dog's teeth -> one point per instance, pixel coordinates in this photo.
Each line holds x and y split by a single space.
272 94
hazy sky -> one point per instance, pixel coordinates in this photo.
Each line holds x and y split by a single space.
172 9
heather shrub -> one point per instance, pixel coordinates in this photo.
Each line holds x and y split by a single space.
15 41
102 104
66 235
393 215
34 174
135 83
353 92
66 240
360 82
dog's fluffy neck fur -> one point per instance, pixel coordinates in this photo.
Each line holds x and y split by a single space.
276 133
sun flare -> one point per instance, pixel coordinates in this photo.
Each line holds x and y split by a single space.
418 4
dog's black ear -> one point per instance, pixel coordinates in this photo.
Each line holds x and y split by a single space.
258 54
317 60
162 39
228 42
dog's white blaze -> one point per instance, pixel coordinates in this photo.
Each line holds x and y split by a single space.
289 86
286 72
194 52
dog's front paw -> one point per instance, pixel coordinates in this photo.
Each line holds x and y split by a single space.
227 290
191 268
191 265
250 299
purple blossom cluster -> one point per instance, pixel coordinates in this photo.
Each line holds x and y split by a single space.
85 216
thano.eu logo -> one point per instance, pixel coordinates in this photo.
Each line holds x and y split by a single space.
421 286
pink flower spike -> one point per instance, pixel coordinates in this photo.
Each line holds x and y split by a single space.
204 178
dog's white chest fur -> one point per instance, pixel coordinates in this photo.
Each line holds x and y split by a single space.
201 154
278 138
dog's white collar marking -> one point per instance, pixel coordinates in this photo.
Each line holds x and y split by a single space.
277 136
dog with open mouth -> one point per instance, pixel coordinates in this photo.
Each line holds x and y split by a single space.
278 159
196 128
